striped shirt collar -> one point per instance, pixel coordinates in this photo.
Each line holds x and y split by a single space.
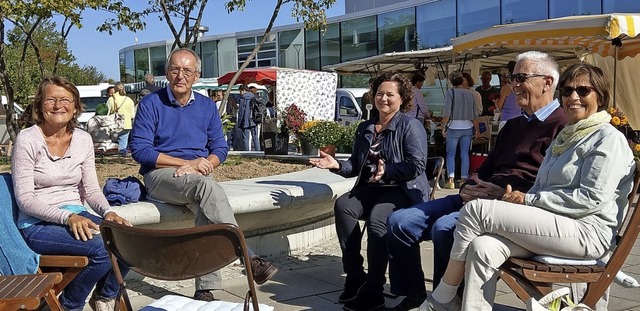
174 101
544 112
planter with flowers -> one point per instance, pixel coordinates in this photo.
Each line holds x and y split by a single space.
287 122
619 120
324 135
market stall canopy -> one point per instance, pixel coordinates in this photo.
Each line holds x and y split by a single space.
600 34
411 61
264 76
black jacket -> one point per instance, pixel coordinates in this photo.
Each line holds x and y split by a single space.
404 151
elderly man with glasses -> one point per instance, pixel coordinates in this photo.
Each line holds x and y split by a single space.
514 161
178 140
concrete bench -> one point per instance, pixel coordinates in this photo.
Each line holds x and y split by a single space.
296 205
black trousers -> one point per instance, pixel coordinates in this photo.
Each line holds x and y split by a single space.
374 205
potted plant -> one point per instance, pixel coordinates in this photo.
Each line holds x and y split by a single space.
323 135
276 135
345 145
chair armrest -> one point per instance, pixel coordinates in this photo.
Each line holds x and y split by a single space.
63 261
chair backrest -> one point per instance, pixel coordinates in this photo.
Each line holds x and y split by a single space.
434 171
174 254
15 255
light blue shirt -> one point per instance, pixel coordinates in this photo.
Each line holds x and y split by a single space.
544 112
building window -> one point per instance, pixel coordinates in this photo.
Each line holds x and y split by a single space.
266 55
436 24
397 31
157 58
359 38
128 76
474 15
312 49
291 49
330 45
517 11
619 6
209 56
561 8
141 63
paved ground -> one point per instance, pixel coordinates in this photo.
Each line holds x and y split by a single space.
311 279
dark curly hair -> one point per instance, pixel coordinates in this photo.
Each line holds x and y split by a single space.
405 88
38 114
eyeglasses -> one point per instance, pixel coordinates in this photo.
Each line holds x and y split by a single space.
63 101
582 91
186 72
521 77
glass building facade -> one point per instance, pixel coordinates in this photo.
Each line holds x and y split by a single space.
399 27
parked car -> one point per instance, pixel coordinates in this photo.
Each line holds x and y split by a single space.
90 104
348 105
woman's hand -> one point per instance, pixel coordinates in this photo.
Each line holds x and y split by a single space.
513 196
379 172
444 132
325 161
112 216
82 227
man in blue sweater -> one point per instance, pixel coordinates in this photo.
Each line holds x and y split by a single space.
178 140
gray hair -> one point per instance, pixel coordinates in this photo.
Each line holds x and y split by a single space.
149 78
542 63
190 51
119 87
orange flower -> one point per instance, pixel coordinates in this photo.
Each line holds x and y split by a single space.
623 120
615 121
636 148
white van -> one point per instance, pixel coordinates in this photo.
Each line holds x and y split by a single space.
348 105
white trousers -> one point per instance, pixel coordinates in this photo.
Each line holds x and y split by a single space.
491 231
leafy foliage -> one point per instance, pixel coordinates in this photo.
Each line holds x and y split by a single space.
323 133
292 118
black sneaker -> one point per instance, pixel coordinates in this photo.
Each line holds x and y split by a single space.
203 295
365 301
409 302
351 288
262 270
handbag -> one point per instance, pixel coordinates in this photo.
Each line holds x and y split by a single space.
118 118
557 300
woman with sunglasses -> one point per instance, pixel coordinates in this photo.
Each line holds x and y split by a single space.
572 210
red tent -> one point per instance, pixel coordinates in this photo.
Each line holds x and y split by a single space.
263 76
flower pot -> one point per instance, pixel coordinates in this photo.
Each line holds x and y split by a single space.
329 149
276 143
307 149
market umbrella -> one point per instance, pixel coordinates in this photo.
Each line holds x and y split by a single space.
602 40
264 76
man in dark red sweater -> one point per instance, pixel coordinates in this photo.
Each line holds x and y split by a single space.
514 160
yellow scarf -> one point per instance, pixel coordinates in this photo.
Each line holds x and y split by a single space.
571 134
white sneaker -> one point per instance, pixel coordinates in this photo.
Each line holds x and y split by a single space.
432 305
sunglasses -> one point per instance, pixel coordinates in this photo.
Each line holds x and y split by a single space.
582 91
521 77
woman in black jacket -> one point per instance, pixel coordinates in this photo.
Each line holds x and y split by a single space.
389 159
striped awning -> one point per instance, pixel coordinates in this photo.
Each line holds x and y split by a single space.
582 34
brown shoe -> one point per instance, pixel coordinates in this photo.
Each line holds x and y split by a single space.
203 295
262 270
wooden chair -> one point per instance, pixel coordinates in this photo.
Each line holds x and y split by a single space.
485 134
26 291
18 259
434 171
528 278
175 254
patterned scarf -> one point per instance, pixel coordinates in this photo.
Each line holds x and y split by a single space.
571 134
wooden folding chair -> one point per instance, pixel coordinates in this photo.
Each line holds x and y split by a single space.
26 291
485 133
18 253
528 278
175 254
434 171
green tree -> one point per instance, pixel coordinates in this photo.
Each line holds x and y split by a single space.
28 17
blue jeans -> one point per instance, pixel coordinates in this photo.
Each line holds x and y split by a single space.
255 137
408 227
123 141
463 138
54 239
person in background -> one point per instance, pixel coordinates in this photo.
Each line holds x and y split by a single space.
178 140
469 83
514 160
389 159
53 171
150 83
121 103
368 98
488 93
250 135
507 101
573 208
458 123
419 110
110 91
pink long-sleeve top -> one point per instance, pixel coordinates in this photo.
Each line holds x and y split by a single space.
43 183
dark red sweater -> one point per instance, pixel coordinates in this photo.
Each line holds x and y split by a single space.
519 150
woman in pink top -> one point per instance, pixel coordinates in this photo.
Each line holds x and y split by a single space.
53 170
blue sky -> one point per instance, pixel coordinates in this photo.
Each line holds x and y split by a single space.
94 48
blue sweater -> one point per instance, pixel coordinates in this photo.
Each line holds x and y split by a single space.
188 132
